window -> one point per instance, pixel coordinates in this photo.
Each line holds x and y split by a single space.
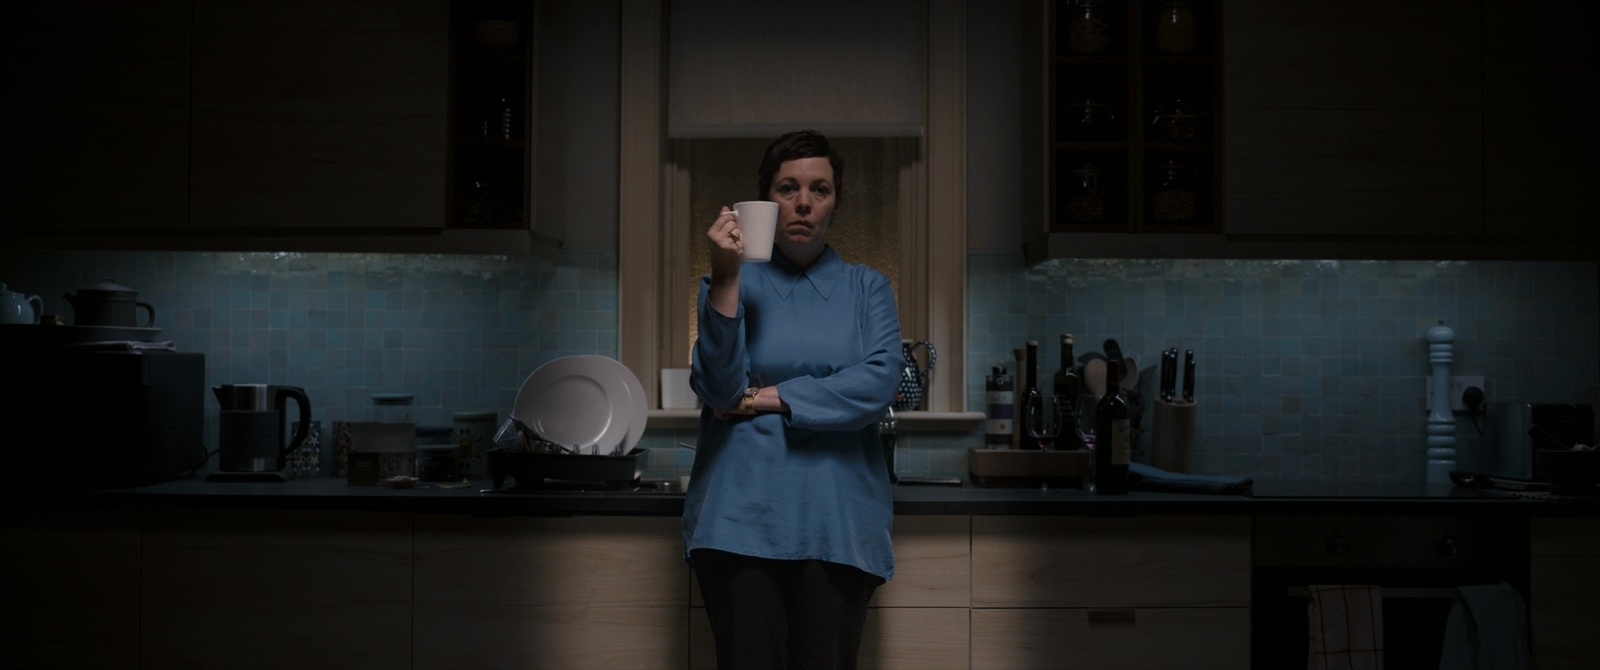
657 196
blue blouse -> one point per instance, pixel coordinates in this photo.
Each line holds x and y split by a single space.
810 483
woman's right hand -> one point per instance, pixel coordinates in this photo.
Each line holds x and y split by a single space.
727 249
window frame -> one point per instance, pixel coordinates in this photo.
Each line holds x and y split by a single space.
653 220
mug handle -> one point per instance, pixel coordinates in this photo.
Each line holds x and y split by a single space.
933 355
299 395
149 309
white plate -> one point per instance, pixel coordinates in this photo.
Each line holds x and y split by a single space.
577 402
640 407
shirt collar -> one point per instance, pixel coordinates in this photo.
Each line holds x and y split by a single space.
822 275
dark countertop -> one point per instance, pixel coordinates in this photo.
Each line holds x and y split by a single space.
1269 498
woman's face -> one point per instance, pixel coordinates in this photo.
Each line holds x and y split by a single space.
805 193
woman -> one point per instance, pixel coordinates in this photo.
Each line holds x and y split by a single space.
786 523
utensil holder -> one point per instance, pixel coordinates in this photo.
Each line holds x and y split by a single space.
1172 435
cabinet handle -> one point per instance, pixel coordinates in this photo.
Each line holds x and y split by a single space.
1117 617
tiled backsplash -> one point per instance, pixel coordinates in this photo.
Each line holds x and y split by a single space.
460 332
1311 370
1308 369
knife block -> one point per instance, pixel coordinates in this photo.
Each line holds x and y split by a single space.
1172 435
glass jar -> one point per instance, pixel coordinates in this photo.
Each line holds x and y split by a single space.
1088 121
1084 203
437 454
1178 120
1177 31
1088 27
474 436
390 407
1174 197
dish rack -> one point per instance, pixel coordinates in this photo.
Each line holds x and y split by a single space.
532 462
537 469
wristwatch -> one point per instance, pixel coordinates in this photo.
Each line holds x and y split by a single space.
749 402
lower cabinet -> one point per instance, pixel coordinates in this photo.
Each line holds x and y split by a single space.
1564 603
576 592
1081 592
70 598
1129 639
241 588
275 589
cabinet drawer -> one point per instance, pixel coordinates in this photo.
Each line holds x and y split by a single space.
1073 639
1039 561
896 638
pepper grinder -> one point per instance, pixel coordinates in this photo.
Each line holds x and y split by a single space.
1441 424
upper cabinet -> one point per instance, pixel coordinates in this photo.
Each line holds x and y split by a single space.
1352 129
1354 118
98 102
1539 166
284 125
317 116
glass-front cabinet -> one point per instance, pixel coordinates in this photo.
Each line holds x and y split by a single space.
1133 115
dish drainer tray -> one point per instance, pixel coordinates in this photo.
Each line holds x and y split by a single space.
531 469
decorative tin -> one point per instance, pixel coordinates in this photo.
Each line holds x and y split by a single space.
306 460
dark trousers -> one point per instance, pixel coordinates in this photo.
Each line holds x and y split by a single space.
770 614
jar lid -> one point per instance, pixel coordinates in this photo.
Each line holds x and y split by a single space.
434 431
108 285
392 398
435 450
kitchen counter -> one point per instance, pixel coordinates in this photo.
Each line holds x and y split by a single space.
479 500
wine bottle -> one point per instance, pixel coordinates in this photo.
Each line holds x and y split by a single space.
1030 387
1111 436
1067 386
1001 399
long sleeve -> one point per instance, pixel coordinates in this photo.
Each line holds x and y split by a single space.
856 396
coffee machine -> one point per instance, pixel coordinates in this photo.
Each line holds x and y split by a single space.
251 431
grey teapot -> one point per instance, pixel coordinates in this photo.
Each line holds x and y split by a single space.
109 304
18 308
913 381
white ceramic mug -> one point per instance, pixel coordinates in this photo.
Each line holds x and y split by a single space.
758 224
675 390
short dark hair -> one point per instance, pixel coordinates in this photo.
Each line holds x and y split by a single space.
795 145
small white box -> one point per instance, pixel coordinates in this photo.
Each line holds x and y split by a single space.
675 390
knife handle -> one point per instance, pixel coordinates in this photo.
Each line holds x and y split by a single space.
1188 375
1169 373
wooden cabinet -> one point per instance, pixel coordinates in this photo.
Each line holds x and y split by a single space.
1354 118
318 117
98 116
275 589
277 125
1360 129
507 144
1538 166
1154 638
580 592
1565 597
1099 592
1132 109
71 598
